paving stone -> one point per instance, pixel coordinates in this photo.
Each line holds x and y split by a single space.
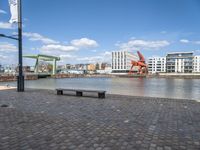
39 119
159 148
167 148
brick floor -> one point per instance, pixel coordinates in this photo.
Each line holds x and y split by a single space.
39 119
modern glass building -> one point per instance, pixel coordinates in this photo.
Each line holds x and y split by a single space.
179 62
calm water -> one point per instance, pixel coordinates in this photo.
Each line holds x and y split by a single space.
154 87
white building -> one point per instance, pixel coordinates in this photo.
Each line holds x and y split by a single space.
121 61
179 62
196 64
156 64
107 70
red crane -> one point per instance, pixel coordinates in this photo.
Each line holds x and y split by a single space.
142 66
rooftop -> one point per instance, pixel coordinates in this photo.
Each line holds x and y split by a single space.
181 53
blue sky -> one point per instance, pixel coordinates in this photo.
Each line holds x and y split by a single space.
81 31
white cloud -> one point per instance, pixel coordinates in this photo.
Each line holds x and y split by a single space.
84 43
2 11
5 25
7 47
94 50
196 42
9 59
3 57
34 48
75 45
143 44
163 32
52 45
67 56
106 56
58 47
92 59
107 53
132 38
38 37
102 57
184 41
191 42
197 51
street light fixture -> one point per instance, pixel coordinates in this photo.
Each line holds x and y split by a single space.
20 77
9 37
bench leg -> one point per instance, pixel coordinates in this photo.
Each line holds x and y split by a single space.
101 95
78 93
59 92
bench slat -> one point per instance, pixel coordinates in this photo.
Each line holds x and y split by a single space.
79 92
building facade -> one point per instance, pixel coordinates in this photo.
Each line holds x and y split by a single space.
156 65
196 64
179 62
121 61
91 67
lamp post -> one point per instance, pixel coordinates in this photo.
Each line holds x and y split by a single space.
20 77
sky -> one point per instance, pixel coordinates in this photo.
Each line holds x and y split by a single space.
87 31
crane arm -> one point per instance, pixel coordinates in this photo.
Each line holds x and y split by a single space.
141 57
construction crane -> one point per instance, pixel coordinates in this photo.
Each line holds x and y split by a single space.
141 64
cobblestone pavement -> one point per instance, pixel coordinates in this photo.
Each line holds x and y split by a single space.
39 119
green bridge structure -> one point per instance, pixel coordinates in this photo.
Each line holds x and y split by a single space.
44 58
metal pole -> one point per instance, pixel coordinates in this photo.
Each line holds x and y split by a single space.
20 78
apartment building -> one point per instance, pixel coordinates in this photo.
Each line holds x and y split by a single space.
121 61
156 65
179 62
196 64
91 67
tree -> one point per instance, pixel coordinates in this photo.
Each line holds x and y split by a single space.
97 66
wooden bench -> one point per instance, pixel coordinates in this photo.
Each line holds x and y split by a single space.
79 92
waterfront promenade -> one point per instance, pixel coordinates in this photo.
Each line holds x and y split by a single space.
6 87
39 119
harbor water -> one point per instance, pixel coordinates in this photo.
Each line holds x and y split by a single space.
150 87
